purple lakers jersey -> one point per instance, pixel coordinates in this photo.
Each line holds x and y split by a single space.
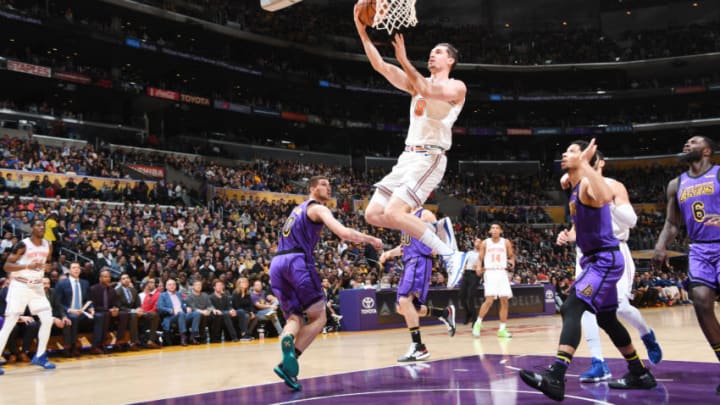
697 197
593 226
299 232
412 247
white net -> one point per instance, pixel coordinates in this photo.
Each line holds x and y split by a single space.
392 15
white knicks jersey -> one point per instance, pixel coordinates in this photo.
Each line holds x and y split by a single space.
431 122
33 254
621 232
495 255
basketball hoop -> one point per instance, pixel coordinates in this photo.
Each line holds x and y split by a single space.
391 15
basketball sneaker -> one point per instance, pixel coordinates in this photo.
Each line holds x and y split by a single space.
504 333
289 362
449 319
446 233
545 382
43 362
454 265
477 327
290 381
599 371
653 348
644 381
415 352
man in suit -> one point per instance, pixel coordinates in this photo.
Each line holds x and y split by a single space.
172 308
104 300
60 318
129 303
72 294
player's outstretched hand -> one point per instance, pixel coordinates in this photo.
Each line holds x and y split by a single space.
376 243
356 16
398 43
589 152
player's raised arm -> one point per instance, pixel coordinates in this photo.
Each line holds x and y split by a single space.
393 74
321 212
594 191
623 210
450 90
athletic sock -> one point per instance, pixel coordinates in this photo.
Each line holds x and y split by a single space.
437 312
415 335
716 348
635 365
431 240
502 326
561 364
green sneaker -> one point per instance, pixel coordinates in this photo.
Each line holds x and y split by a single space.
476 329
289 361
503 333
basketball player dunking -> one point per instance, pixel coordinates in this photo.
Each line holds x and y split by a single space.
693 198
596 289
623 218
413 289
28 261
293 277
436 103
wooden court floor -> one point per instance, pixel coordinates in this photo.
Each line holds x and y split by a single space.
176 371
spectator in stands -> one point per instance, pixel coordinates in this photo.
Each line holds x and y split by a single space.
107 311
151 318
130 306
72 294
266 305
172 308
242 303
60 318
199 309
225 316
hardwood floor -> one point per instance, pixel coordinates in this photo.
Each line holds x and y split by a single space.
174 371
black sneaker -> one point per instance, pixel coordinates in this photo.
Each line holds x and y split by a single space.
644 381
449 321
552 387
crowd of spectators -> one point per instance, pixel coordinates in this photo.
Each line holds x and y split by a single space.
310 23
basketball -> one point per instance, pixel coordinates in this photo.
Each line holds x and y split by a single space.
367 11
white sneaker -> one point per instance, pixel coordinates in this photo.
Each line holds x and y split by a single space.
446 233
337 317
414 354
454 265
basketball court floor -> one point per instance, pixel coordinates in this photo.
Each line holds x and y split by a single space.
360 368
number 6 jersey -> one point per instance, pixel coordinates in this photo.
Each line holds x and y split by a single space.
696 198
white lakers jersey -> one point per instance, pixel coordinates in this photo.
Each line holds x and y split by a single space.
495 254
431 121
33 254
